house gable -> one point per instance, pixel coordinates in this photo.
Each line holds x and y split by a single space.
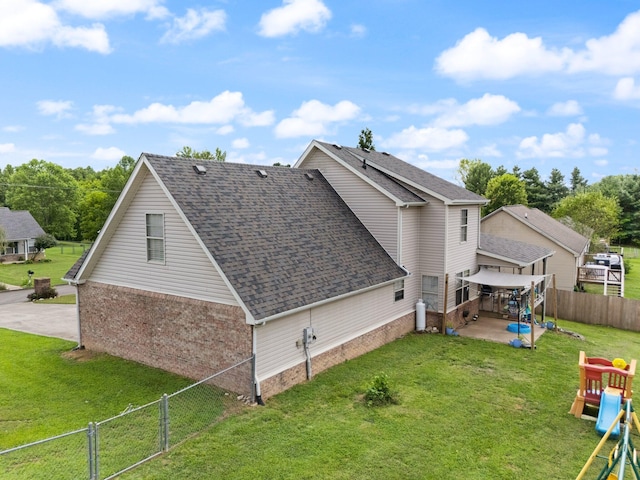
187 271
19 225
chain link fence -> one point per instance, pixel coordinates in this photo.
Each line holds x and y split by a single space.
110 447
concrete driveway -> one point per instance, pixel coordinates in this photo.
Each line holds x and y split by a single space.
49 320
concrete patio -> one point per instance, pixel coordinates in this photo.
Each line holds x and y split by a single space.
495 330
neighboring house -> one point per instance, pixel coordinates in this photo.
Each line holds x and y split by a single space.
203 264
21 231
532 226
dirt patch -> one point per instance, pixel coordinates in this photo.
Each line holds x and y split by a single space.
79 355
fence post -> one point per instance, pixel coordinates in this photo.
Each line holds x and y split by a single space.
164 423
90 451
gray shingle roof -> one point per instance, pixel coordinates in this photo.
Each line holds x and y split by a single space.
397 171
520 252
75 268
283 241
19 225
547 226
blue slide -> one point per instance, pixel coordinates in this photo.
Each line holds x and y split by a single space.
610 406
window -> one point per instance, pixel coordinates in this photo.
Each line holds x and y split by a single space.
398 290
430 292
155 237
462 288
464 224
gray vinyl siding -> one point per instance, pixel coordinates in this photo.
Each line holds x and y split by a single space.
461 255
411 218
375 210
187 271
433 244
334 324
563 262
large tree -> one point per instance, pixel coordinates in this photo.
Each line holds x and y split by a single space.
626 188
100 195
49 192
578 182
556 188
537 194
503 190
592 214
475 175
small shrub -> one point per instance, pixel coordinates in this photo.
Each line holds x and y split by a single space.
44 293
2 286
379 392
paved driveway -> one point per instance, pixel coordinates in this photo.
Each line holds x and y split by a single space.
50 320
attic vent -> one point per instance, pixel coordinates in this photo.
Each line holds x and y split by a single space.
364 163
262 173
309 176
366 150
339 147
200 169
385 153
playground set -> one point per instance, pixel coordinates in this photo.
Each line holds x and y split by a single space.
606 385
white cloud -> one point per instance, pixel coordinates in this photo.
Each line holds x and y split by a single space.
222 109
13 128
58 108
98 9
32 24
7 147
313 118
487 110
293 16
429 138
358 30
195 24
240 143
602 162
225 130
111 153
572 143
626 89
478 55
489 151
569 108
615 54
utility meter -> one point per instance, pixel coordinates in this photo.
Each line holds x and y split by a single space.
308 336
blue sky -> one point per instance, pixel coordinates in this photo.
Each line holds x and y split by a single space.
535 84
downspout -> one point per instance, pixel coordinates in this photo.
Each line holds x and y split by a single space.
79 346
256 381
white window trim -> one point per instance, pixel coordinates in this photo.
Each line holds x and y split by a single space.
464 227
151 237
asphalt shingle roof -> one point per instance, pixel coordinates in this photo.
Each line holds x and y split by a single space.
283 241
402 170
548 226
523 253
19 225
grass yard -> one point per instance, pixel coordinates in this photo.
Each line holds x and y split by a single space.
467 409
46 389
62 257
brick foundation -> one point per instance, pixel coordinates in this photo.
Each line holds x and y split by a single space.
188 337
352 349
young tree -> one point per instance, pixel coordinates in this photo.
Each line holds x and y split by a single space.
49 192
593 215
503 190
3 240
365 140
188 152
475 175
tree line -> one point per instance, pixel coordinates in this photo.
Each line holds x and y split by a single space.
608 209
74 203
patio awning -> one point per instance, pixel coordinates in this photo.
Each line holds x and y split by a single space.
503 280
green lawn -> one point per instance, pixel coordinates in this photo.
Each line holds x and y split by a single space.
62 257
467 409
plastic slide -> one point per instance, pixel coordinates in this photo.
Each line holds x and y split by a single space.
609 409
